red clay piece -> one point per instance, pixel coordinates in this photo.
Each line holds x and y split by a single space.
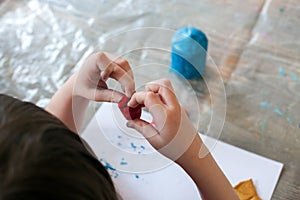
128 112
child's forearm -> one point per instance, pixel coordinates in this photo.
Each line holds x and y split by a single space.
205 172
68 108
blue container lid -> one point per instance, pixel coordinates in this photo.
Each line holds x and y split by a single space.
189 47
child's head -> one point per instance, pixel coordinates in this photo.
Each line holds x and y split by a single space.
41 159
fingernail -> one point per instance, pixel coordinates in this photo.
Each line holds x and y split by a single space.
128 94
129 124
131 92
104 78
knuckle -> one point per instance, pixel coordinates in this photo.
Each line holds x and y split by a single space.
150 95
166 81
127 75
121 61
148 85
172 117
124 62
152 84
133 97
100 56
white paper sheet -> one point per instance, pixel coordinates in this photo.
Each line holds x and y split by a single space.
139 172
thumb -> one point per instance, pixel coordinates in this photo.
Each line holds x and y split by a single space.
107 95
147 130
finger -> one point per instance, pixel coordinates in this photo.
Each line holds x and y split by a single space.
126 81
102 85
124 78
121 62
165 89
147 98
147 130
125 65
113 70
161 82
153 104
106 95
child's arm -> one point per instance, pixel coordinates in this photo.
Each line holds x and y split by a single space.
70 101
175 137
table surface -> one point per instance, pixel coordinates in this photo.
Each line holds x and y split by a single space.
255 46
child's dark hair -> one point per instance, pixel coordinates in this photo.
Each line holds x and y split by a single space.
40 158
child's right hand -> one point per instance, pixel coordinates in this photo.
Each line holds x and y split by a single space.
173 133
175 137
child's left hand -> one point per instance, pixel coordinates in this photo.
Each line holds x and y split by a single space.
91 79
89 83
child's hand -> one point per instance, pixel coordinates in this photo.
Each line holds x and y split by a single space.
175 137
173 133
70 101
91 78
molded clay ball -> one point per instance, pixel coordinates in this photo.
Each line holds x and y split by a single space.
128 112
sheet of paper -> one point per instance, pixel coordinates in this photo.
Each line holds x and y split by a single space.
139 172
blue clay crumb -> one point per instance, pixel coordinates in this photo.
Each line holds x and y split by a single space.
265 104
112 171
294 77
116 175
137 176
123 163
107 165
277 111
133 145
281 72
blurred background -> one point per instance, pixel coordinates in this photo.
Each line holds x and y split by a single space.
255 44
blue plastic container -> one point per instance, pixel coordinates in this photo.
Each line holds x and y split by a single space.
189 47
